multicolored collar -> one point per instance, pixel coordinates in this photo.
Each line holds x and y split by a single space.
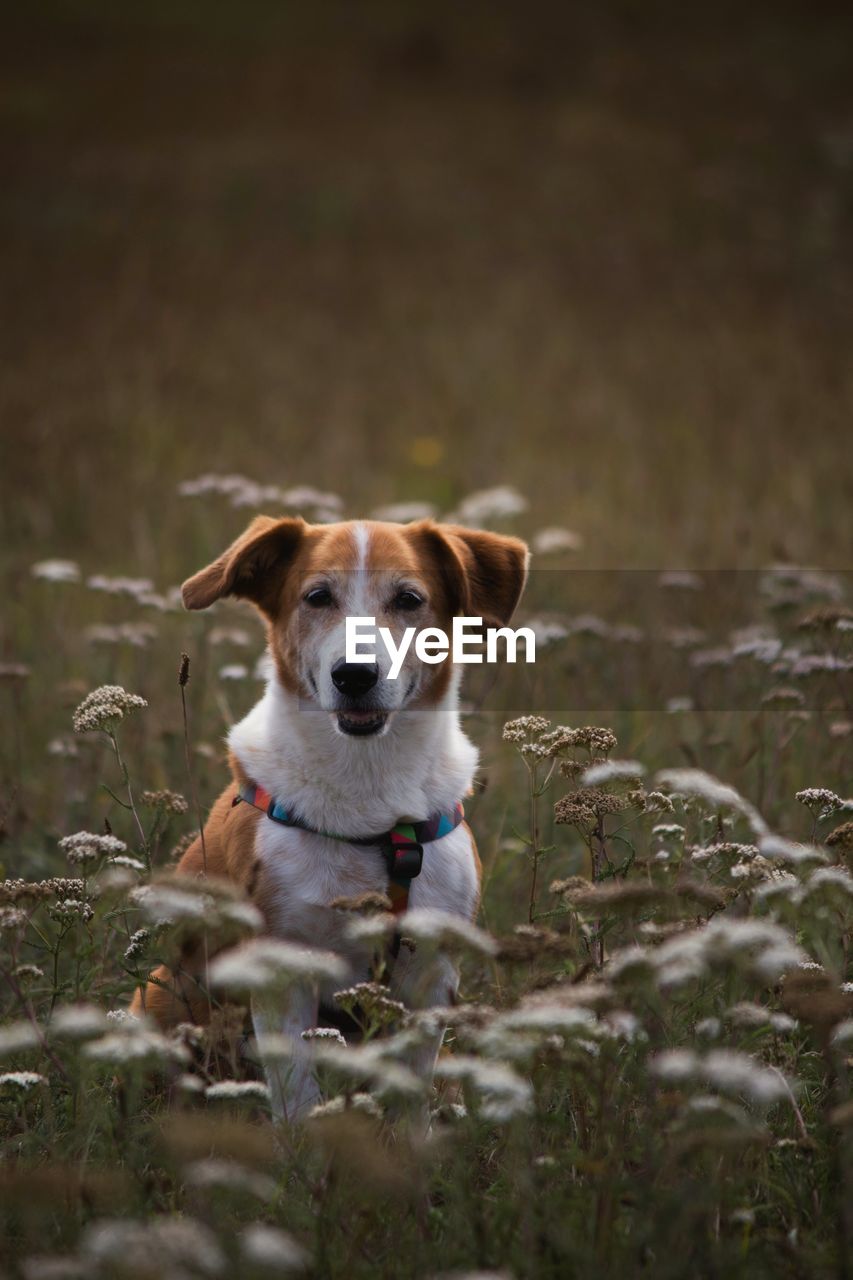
402 846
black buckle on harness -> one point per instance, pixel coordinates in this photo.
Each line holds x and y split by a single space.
405 860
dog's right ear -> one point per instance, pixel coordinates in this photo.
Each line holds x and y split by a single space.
253 568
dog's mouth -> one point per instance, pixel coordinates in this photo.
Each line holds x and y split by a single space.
361 724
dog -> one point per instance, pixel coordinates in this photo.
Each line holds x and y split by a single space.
336 752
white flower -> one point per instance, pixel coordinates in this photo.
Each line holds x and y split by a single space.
305 495
705 1106
271 1248
166 904
489 504
132 864
87 846
234 671
731 1071
763 648
675 1065
104 707
363 1102
230 635
724 1069
547 630
546 1017
375 928
778 849
328 1035
446 930
778 960
823 801
238 1091
405 512
16 1037
78 1022
119 586
267 963
133 1043
190 1083
122 1018
619 1024
668 830
612 771
228 1175
813 663
830 878
158 1247
56 571
372 1062
21 1079
137 634
553 538
501 1093
718 657
753 1016
681 580
715 794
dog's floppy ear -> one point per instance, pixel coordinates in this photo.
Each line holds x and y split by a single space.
252 568
483 573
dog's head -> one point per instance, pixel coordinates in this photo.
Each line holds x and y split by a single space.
307 579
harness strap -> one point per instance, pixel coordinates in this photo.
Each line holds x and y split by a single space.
401 847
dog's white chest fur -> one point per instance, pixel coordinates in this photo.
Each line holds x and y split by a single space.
353 787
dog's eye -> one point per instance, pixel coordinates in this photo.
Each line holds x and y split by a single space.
408 601
319 597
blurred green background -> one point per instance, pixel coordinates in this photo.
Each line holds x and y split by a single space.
407 250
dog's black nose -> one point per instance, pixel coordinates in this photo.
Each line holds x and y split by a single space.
354 678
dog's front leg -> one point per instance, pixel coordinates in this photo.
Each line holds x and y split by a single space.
292 1082
424 984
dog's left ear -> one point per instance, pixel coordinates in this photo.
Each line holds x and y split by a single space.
483 573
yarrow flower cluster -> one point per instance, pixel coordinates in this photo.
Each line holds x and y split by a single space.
166 801
136 948
105 707
586 806
86 847
535 737
40 890
524 727
71 911
368 1001
238 1091
725 1069
24 1080
820 800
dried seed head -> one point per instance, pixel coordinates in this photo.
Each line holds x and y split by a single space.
841 838
184 670
584 807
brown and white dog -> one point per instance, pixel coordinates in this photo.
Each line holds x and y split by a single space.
346 747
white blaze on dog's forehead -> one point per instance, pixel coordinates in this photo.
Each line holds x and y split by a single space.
361 537
359 579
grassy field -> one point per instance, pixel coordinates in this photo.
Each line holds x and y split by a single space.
364 255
